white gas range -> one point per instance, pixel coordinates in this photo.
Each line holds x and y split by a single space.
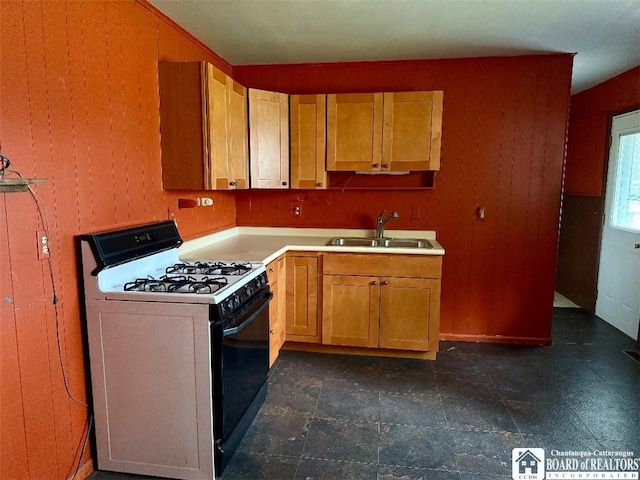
178 352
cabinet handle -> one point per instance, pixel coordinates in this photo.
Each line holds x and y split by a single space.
375 165
271 332
375 282
384 282
284 184
233 184
271 269
318 184
385 165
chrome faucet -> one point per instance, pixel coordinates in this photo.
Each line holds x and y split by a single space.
382 222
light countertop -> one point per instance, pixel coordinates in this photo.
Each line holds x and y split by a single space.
264 244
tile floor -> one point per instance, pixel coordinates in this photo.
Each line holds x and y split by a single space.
340 417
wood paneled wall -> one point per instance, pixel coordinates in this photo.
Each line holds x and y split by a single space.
589 123
504 131
586 171
79 106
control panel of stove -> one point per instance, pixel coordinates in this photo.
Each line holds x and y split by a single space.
242 294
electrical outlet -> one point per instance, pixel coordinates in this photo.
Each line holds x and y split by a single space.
297 210
42 241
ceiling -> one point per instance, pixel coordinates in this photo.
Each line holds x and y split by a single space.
604 34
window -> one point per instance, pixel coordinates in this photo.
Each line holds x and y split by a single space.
625 210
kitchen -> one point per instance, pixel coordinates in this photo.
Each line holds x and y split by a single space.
80 108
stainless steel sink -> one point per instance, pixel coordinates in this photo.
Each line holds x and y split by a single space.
381 242
405 243
355 242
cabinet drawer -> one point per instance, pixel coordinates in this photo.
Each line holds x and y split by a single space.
419 266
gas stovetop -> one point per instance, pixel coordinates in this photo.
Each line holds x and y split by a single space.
192 277
176 284
142 264
188 282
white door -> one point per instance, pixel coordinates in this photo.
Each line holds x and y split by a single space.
619 276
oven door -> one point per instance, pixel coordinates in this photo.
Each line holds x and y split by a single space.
241 348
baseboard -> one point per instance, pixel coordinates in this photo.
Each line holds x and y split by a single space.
456 337
377 352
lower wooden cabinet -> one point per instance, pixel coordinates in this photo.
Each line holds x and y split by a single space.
385 305
340 300
350 310
303 323
276 273
409 310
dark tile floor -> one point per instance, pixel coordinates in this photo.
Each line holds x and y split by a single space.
348 417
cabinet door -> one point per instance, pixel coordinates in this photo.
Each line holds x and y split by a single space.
302 299
409 313
350 310
274 324
277 307
412 131
238 135
182 118
308 114
354 131
282 290
269 139
217 113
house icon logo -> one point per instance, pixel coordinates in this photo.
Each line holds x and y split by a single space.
527 463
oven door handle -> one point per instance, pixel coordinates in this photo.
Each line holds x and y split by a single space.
233 330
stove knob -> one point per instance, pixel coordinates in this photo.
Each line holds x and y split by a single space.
248 290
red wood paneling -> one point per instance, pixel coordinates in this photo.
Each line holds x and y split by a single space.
591 111
79 96
585 173
13 454
587 149
617 94
504 126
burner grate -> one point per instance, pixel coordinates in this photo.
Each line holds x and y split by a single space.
209 268
176 284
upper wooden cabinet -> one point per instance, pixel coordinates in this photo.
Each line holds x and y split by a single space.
237 136
203 125
269 139
308 116
354 131
384 132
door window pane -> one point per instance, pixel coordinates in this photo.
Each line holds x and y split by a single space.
625 214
